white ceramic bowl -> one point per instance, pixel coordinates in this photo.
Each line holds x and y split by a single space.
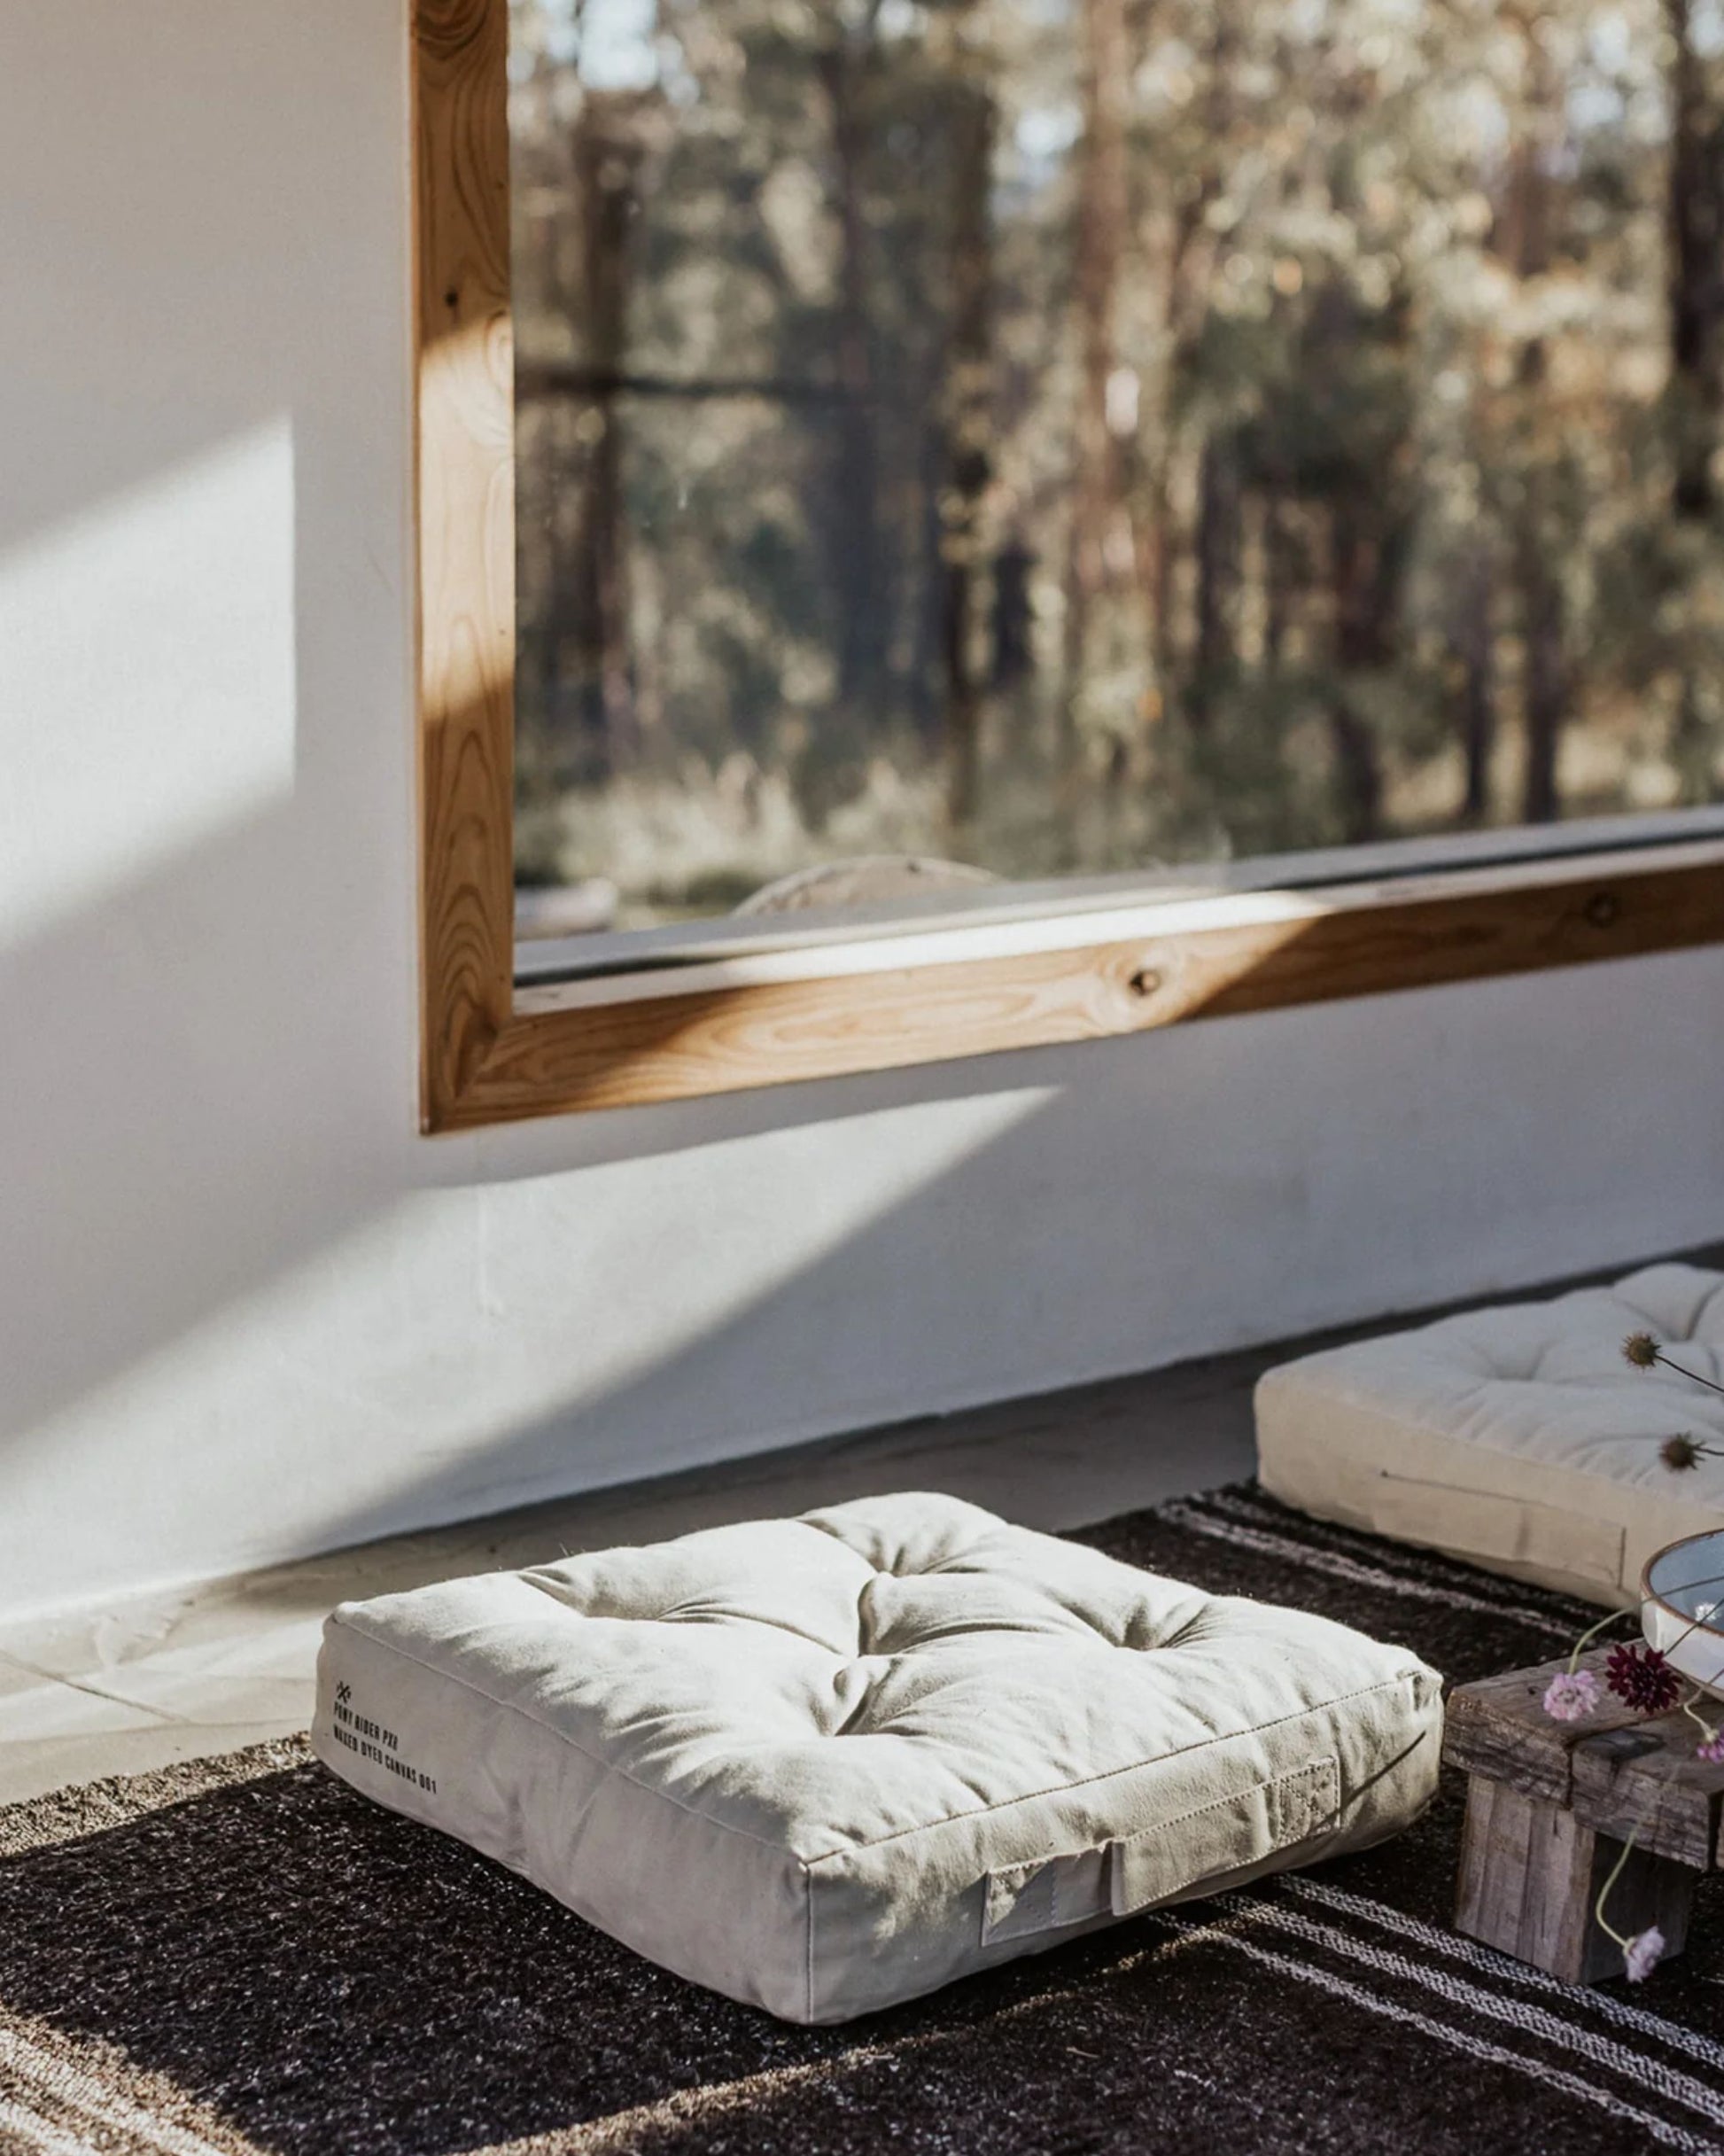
1681 1606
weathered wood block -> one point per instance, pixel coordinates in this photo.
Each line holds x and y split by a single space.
1530 1877
1550 1806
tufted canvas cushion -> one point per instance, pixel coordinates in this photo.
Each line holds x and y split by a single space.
1517 1437
824 1765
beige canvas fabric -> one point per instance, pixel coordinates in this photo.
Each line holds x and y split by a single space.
829 1764
1516 1437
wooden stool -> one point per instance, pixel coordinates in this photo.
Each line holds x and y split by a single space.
1549 1806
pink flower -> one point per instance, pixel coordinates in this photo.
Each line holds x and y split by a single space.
1712 1750
1569 1694
1640 1955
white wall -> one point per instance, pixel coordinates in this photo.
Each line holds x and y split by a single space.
246 1312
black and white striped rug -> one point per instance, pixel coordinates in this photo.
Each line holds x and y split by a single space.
243 1955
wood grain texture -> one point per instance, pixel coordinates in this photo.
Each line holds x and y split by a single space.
1525 1866
466 538
483 1061
1647 1781
1530 1878
1614 1772
669 1047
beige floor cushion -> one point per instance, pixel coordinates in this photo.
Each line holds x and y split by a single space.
1519 1437
825 1764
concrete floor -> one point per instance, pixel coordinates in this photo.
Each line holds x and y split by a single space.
117 1689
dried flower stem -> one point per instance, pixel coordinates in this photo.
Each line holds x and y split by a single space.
1704 1727
1592 1633
1693 1376
1610 1930
1642 1951
1610 1617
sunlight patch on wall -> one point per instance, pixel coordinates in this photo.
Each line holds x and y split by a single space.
149 666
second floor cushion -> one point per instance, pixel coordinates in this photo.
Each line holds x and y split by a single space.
1519 1437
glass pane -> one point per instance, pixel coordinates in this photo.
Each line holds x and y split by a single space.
1058 437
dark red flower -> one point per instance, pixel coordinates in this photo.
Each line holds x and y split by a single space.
1642 1679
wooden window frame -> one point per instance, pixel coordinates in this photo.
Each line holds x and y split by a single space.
491 1054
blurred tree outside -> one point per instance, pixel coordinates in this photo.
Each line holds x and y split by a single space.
1071 436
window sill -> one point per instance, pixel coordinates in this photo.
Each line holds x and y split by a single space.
960 988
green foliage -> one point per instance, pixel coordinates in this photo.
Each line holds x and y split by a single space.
937 435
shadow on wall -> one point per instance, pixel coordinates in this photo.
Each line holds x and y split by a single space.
218 1088
206 892
216 1082
1037 1249
209 1060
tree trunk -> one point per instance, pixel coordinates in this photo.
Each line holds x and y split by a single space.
1545 675
1365 572
1220 532
1013 652
1478 693
1694 256
1280 577
925 690
968 416
856 524
1102 214
607 151
1525 241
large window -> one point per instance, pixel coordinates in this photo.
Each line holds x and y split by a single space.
1064 436
1101 510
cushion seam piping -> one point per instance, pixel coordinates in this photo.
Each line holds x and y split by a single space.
1271 1782
854 1849
1135 1766
1032 1864
1535 1505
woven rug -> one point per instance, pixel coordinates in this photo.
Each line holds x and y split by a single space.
243 1955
